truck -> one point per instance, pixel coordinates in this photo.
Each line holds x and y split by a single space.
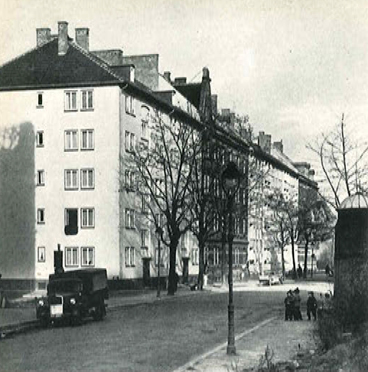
73 295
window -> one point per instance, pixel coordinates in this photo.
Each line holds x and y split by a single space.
144 238
71 256
145 204
195 256
237 256
87 178
41 254
88 217
39 139
216 222
88 256
71 101
71 221
129 256
87 139
71 179
216 256
129 180
129 218
144 130
71 140
129 141
40 100
130 105
87 100
40 178
40 215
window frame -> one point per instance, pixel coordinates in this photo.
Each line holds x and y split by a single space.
88 248
40 177
67 101
128 253
92 145
70 131
41 250
129 218
40 134
41 213
69 188
130 105
88 107
88 187
71 249
39 95
89 225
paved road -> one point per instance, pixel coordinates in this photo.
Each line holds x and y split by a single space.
154 337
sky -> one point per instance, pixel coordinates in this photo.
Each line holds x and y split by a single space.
293 66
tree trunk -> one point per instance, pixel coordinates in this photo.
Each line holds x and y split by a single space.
293 255
173 283
305 259
283 261
201 247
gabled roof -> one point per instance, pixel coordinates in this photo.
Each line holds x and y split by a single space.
42 67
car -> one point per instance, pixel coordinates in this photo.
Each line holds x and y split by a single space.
73 295
270 279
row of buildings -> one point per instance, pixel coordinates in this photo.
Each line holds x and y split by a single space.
69 115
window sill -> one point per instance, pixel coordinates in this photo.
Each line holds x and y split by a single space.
40 184
40 223
70 150
39 107
87 188
130 113
71 189
87 109
40 146
88 265
71 110
87 227
87 149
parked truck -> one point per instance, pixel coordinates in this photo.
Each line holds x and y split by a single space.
73 295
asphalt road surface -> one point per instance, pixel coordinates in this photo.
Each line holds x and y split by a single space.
156 337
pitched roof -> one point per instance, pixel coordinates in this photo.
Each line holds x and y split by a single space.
191 91
43 67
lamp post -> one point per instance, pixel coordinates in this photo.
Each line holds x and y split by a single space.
159 232
230 180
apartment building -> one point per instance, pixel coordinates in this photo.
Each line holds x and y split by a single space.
71 118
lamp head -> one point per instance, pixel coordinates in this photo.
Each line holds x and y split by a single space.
230 178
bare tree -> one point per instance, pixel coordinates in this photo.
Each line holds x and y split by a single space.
165 168
343 163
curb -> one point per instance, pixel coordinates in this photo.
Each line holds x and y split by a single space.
24 326
190 365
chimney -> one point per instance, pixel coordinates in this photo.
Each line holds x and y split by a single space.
167 76
180 81
82 38
279 146
43 36
63 38
214 104
264 142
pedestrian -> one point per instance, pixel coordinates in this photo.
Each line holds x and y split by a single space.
300 271
289 305
297 301
311 306
327 270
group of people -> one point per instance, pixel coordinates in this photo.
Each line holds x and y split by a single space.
292 306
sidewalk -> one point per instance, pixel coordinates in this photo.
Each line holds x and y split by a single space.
22 313
288 341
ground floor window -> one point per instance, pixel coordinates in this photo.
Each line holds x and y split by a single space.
129 256
195 256
88 256
41 254
71 256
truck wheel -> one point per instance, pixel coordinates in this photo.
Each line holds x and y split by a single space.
100 312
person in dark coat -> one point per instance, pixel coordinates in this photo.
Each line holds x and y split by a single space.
312 306
289 306
297 301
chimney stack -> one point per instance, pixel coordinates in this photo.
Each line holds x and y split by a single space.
167 76
82 38
62 38
279 146
43 36
264 142
180 81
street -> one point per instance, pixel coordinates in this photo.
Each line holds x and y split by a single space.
154 337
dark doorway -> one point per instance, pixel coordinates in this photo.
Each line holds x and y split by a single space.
71 221
146 271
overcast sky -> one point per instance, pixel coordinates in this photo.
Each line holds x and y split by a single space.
293 66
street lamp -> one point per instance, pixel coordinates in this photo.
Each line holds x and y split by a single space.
230 180
159 233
